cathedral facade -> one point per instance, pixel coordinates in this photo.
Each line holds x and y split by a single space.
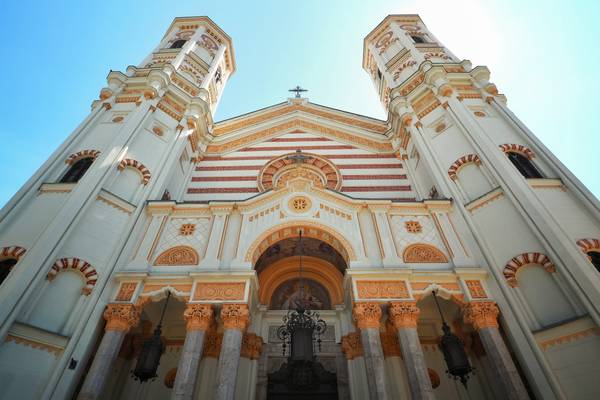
450 216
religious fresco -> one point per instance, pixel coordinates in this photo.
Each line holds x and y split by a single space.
287 295
289 248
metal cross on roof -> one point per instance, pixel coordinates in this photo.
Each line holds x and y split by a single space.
298 90
298 158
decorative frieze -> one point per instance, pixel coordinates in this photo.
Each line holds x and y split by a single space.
126 291
381 289
220 291
178 255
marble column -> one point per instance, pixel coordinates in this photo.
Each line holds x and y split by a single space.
404 316
235 319
198 319
367 316
483 315
119 319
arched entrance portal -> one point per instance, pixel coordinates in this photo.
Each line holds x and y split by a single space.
323 267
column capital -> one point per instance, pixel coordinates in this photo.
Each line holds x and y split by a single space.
481 314
404 314
198 316
352 345
235 316
367 314
121 317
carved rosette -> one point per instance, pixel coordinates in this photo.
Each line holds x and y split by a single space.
251 346
404 314
235 316
121 317
367 314
352 345
481 314
198 316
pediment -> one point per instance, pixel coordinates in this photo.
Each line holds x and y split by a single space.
270 128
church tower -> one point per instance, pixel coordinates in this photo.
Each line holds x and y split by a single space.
155 228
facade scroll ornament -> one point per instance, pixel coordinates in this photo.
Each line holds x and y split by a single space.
367 314
404 314
198 317
121 317
481 314
352 345
235 316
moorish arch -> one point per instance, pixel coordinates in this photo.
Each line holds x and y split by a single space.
309 229
318 169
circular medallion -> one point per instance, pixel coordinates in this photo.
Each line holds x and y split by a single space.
299 204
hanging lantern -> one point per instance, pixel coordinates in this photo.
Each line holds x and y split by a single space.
152 349
301 328
454 352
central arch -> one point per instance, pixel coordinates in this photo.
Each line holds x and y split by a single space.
309 229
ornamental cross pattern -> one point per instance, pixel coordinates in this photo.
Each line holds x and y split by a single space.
298 158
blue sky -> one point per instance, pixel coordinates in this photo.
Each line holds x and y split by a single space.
542 54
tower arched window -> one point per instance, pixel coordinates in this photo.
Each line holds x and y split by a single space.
417 39
5 266
524 165
178 44
595 259
77 170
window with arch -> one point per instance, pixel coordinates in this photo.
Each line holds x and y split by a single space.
6 266
594 258
77 170
417 39
178 44
523 164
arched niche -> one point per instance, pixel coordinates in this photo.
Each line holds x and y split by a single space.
309 229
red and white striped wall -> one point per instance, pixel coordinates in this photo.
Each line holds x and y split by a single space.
365 174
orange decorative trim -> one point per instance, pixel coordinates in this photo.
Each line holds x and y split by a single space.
352 345
235 316
15 252
461 162
404 314
511 268
309 229
381 289
223 128
367 314
178 255
141 168
481 314
121 317
413 226
571 337
83 267
589 245
475 289
323 172
220 291
297 122
251 346
82 154
199 317
423 253
126 291
518 148
33 344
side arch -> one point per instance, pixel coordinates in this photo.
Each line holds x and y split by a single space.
589 245
517 262
517 148
458 164
141 168
83 267
73 158
309 229
423 253
15 252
